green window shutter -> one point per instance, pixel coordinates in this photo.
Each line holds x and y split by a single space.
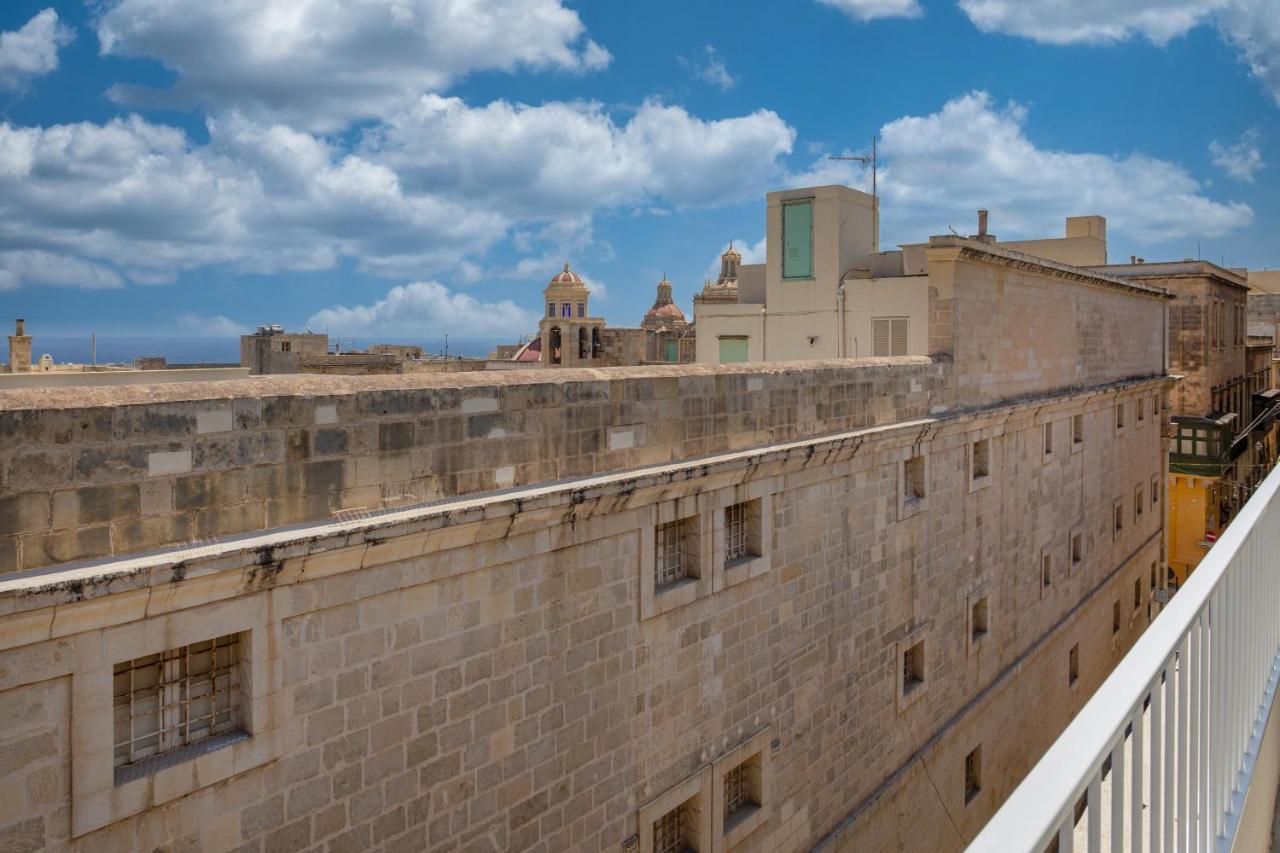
733 350
673 350
797 240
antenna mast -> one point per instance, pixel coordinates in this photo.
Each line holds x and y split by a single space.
871 160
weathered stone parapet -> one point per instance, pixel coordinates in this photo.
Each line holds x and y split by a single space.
92 472
485 667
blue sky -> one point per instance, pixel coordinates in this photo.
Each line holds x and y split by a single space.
378 170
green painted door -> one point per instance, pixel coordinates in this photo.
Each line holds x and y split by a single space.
673 350
797 240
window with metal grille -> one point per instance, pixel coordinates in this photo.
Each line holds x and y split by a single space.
738 791
736 544
888 336
670 565
166 702
972 774
566 309
669 832
551 309
582 309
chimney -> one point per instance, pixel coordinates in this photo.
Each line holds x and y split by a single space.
982 224
1133 259
20 349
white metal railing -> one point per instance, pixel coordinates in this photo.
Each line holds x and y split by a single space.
1187 706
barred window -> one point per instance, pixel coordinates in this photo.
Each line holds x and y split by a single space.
669 563
735 533
972 774
669 832
737 791
167 702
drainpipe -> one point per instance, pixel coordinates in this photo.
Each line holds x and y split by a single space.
840 320
764 335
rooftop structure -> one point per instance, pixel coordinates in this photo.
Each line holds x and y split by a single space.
826 290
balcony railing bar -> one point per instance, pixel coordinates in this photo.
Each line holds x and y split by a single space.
1208 666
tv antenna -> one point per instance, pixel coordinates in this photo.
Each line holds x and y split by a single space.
865 159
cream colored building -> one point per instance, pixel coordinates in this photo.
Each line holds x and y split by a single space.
827 291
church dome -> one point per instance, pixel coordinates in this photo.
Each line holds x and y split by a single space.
566 276
665 312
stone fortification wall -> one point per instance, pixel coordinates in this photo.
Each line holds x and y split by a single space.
91 472
500 673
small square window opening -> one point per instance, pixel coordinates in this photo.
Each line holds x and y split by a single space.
972 774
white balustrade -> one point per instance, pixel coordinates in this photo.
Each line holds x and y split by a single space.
1180 718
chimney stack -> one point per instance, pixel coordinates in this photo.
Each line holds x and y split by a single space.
20 349
982 224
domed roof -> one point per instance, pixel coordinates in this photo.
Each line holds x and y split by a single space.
664 312
566 276
670 310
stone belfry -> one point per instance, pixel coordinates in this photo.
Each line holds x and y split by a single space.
724 289
569 335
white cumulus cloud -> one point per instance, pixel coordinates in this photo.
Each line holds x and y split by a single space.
1056 22
32 50
867 10
427 307
1252 26
429 191
938 169
321 64
559 160
1241 160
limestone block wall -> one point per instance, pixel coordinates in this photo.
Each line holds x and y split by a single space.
1206 365
1015 329
622 346
480 675
91 472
